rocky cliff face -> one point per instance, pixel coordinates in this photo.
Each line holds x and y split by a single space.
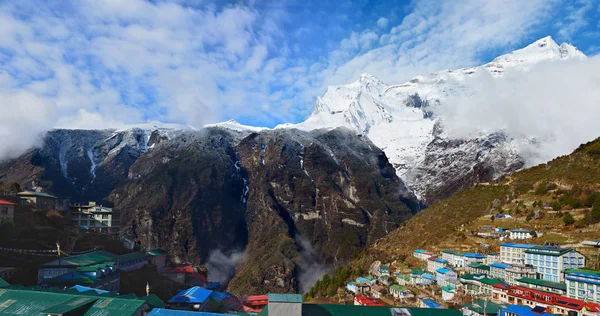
288 200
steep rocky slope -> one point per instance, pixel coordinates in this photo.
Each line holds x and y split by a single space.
289 200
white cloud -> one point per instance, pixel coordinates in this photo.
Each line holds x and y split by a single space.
383 23
555 103
575 18
109 63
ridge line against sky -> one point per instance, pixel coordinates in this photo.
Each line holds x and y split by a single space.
104 63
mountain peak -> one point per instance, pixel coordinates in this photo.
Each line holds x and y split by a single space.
366 78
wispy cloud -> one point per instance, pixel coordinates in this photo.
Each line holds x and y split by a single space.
575 18
102 63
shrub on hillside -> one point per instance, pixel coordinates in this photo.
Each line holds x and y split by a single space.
568 219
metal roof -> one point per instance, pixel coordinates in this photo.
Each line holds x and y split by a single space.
132 256
156 252
173 312
554 285
285 298
33 193
3 202
3 283
195 294
474 255
515 245
500 265
32 302
548 251
82 260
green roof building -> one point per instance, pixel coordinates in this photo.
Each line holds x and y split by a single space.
543 285
95 269
484 308
15 301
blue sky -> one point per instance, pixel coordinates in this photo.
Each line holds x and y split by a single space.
105 63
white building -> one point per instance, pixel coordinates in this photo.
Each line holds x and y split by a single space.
551 262
454 258
492 257
523 234
583 283
422 254
514 253
447 293
434 263
95 217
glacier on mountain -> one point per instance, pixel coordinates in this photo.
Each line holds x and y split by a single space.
403 120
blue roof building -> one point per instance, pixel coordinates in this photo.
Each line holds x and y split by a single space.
474 255
519 310
195 298
361 280
428 276
429 303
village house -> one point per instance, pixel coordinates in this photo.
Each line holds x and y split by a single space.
422 254
427 279
377 291
434 263
551 262
521 234
193 299
448 293
543 285
519 271
428 303
471 257
478 284
482 308
445 277
157 257
514 253
454 258
186 274
383 271
7 211
96 269
582 284
478 268
38 200
132 261
398 291
492 257
402 279
96 218
415 277
498 270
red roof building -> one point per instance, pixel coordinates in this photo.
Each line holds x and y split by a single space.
367 301
254 304
7 211
557 304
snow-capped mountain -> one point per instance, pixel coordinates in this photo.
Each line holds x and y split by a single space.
401 120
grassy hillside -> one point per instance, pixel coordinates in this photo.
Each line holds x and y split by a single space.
560 198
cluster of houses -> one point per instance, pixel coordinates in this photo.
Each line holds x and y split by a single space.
521 274
504 233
